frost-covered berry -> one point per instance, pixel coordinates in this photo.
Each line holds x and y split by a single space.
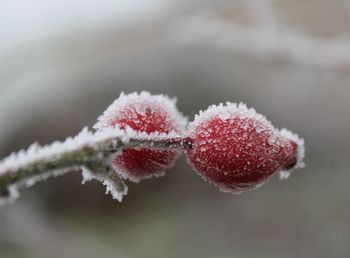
144 113
238 149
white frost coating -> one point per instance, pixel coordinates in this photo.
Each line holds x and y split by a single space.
36 152
125 175
85 138
128 134
300 150
231 110
283 175
13 189
87 175
54 173
227 111
124 100
223 188
132 134
113 190
111 186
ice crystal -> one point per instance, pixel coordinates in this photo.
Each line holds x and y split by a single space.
173 116
114 185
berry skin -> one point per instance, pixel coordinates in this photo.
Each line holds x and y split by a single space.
238 149
148 114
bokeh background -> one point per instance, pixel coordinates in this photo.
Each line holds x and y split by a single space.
63 62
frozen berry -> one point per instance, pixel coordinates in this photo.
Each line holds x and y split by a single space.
238 149
149 114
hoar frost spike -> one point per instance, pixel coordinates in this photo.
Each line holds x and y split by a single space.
238 149
143 113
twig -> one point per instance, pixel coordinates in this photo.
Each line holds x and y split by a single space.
87 150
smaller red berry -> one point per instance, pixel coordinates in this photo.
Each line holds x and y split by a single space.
238 149
144 113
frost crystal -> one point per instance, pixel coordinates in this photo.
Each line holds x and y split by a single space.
114 185
174 117
86 174
284 175
85 138
114 189
228 111
36 152
301 146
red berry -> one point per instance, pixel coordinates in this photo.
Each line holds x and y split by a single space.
237 149
143 113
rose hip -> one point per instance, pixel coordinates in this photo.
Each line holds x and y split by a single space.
238 149
143 113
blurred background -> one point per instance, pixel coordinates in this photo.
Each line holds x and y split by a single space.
63 62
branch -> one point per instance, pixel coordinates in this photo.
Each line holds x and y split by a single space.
86 150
